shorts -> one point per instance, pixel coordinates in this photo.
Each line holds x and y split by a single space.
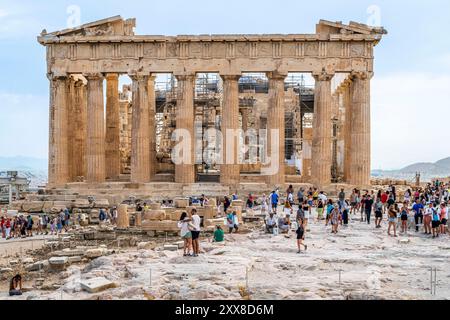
435 224
315 198
353 204
300 236
392 220
444 221
310 202
195 235
378 214
187 235
404 218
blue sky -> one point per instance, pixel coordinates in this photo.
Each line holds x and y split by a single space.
410 90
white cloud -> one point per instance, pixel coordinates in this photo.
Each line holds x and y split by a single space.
24 125
410 119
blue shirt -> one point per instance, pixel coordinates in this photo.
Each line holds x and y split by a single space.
418 207
274 198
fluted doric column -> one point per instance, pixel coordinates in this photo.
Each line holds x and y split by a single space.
230 168
95 151
360 129
322 131
152 124
58 159
112 147
140 131
79 132
185 166
347 128
276 121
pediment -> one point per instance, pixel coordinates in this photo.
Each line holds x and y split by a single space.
329 27
114 26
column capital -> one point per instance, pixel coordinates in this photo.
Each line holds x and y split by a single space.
137 76
92 76
361 75
276 75
231 77
323 75
185 76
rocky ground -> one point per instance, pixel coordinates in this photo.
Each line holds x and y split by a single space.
358 263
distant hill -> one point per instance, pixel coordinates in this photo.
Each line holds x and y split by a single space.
22 163
34 169
439 169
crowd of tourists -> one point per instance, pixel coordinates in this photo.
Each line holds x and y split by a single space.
22 226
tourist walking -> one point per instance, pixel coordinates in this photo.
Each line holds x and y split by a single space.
66 220
264 206
232 222
53 226
2 226
353 198
404 217
226 204
378 212
435 220
301 237
444 218
59 225
301 196
300 217
392 212
335 218
341 197
418 209
8 229
330 208
320 207
427 218
287 208
274 198
345 212
368 205
30 224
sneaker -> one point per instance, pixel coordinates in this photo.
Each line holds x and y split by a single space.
306 247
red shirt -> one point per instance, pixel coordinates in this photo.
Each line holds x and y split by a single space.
384 198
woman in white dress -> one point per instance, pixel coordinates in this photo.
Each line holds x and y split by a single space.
264 205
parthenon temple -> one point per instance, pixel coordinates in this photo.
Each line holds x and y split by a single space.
312 89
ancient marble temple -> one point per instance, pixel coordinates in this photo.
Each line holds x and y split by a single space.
86 127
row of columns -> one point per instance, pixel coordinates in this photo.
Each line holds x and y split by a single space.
80 144
356 99
84 142
89 147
